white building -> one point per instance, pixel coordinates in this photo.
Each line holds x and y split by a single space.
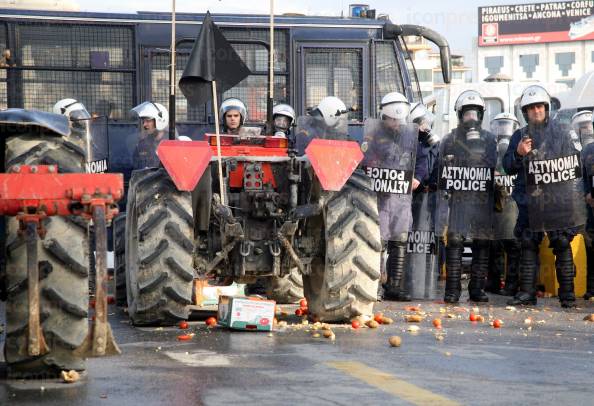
428 66
549 42
561 62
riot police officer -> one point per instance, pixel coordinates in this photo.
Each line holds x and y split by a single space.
503 126
233 115
422 266
467 161
548 191
583 129
283 117
154 119
392 145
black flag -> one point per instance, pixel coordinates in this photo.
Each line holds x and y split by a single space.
212 59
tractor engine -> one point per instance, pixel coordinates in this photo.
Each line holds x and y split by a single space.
259 198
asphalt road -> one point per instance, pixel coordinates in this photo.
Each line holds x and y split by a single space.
547 360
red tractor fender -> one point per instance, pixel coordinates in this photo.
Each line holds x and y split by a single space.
333 161
184 161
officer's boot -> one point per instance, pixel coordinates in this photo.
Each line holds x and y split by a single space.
383 276
495 267
453 286
590 272
512 274
528 272
565 272
478 271
395 270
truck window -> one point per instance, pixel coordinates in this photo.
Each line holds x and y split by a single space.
334 72
388 77
252 90
95 63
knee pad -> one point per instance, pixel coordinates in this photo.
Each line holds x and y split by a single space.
560 242
455 240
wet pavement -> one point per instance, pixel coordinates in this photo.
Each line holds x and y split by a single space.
540 355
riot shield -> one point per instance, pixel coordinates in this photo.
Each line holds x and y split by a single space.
553 169
98 158
311 127
506 209
422 265
390 155
466 177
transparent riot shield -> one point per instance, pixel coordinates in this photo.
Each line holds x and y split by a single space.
466 179
506 209
390 155
98 146
554 182
422 265
311 127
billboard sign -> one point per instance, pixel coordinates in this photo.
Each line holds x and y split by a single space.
536 23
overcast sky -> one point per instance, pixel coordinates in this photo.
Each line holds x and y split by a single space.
455 19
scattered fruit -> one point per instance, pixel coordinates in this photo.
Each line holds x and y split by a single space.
437 323
411 308
378 317
480 318
589 317
413 329
472 317
303 303
299 312
329 334
184 337
395 341
355 324
497 323
70 376
386 320
316 335
211 322
372 324
183 324
414 318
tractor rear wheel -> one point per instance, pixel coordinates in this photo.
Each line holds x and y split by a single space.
159 249
63 270
285 289
344 277
119 258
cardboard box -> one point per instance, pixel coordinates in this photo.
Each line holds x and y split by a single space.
207 295
243 313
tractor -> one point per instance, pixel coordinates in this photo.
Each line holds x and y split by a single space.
279 215
45 281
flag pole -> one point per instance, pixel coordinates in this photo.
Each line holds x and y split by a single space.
218 137
271 70
172 77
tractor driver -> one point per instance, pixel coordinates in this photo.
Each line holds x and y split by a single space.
233 114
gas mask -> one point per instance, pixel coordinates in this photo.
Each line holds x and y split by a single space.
585 133
282 125
425 124
471 122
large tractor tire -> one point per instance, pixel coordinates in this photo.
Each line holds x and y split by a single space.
119 258
285 289
344 278
159 248
63 271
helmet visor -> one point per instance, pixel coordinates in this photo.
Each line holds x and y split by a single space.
503 128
